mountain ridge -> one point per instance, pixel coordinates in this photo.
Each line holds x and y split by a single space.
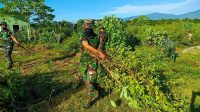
158 16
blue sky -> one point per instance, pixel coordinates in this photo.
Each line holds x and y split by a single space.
72 10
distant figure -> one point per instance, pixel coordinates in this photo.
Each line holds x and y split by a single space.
7 40
190 38
103 38
33 35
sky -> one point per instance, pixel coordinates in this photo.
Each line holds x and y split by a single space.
72 10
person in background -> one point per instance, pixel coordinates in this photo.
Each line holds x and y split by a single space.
190 37
103 38
8 40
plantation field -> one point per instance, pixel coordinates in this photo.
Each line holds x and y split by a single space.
187 81
50 75
151 66
144 65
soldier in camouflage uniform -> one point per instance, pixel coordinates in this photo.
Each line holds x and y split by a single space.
7 40
190 38
90 42
103 38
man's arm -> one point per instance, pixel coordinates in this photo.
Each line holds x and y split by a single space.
14 39
93 50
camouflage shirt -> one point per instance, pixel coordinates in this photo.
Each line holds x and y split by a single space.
6 37
92 41
103 39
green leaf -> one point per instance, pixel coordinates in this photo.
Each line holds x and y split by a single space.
113 103
122 93
125 93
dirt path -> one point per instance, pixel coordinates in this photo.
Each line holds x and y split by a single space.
190 49
27 62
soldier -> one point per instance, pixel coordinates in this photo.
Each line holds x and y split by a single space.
88 62
7 40
190 37
103 38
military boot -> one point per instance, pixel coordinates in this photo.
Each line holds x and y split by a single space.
101 91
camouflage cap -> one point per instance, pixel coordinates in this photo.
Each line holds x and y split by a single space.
88 23
101 27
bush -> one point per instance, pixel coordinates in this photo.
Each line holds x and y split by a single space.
177 30
138 77
13 89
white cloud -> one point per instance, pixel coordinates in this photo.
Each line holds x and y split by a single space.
162 8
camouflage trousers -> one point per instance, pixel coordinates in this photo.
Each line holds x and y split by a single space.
89 75
8 52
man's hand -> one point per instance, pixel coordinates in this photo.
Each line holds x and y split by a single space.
15 40
101 55
18 44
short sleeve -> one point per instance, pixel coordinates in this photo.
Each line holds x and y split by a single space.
82 37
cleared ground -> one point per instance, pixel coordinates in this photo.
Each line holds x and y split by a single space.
51 74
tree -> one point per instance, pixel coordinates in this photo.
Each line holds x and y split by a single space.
35 9
79 25
142 20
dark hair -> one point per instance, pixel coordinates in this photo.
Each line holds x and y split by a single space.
4 23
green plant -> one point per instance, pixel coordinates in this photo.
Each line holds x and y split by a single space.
162 41
138 77
12 89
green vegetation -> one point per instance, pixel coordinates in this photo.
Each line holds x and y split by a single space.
147 69
36 9
143 86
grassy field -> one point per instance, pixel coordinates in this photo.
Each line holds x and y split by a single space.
50 73
187 77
